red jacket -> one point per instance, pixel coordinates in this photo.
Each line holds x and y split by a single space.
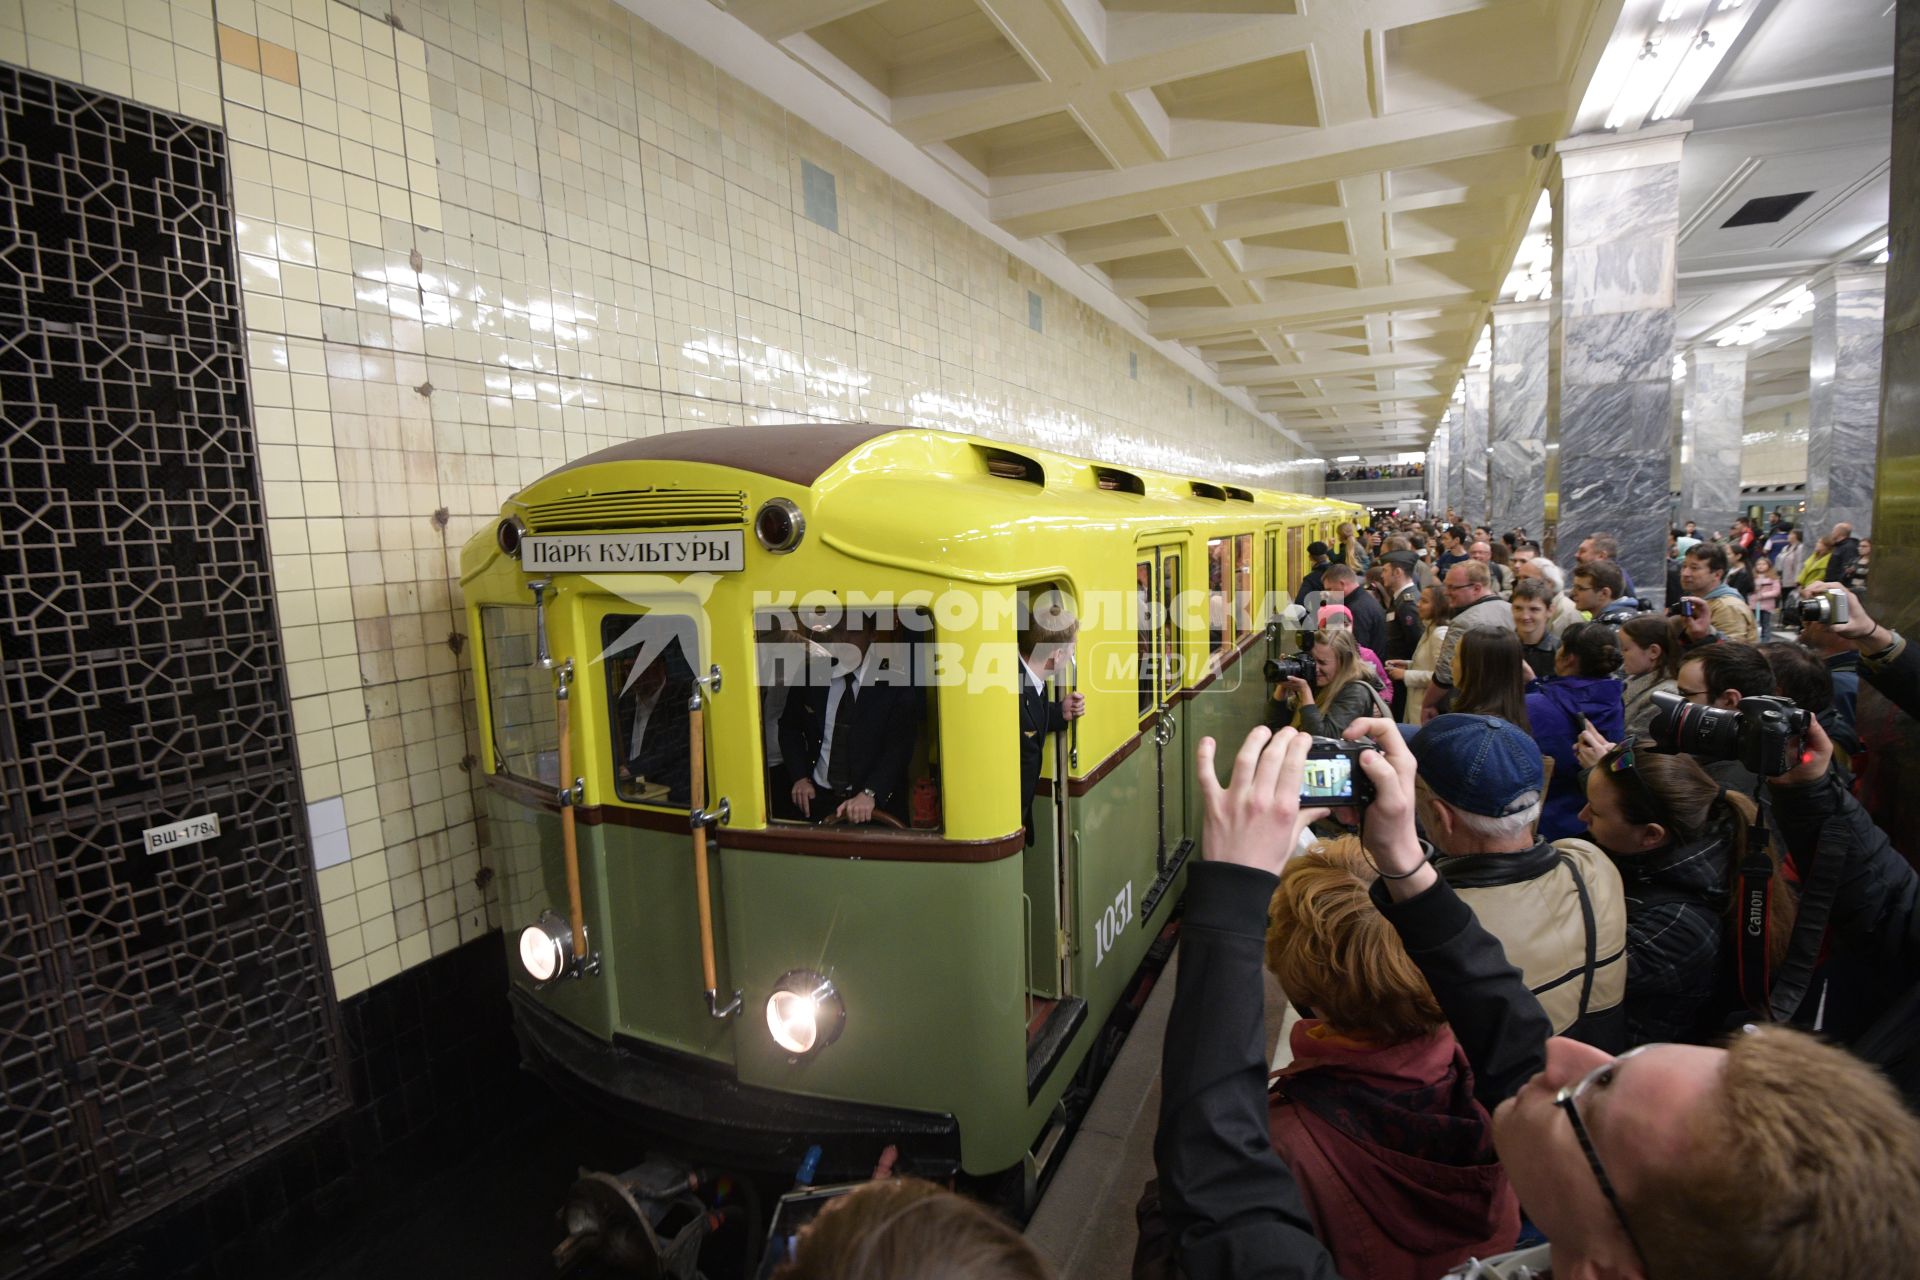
1393 1154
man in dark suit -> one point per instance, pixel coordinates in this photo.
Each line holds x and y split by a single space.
1369 619
1046 641
846 739
650 712
1321 555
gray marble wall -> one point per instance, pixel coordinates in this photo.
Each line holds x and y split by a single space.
1472 442
1455 427
1843 423
1616 220
1712 425
1439 489
1517 419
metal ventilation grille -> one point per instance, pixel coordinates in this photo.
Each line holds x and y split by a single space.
164 1016
637 509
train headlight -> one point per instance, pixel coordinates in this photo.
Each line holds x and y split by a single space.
779 525
508 535
805 1014
545 946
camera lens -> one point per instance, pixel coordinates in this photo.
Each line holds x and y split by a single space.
1282 669
1711 733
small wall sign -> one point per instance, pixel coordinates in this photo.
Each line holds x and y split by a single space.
187 831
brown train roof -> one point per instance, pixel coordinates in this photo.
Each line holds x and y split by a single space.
797 453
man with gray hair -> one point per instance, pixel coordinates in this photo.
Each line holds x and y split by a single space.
1558 909
1564 612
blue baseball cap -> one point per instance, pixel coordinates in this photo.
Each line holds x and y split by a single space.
1480 764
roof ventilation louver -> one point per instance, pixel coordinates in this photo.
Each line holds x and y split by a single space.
1765 209
1008 465
1203 490
1238 495
1117 481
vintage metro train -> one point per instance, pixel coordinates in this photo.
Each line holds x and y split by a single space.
745 985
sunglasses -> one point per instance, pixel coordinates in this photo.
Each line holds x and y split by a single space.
1618 763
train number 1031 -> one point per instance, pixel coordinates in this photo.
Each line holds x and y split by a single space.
1112 923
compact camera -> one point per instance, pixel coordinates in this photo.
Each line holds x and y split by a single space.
1279 670
1765 734
1830 608
1333 777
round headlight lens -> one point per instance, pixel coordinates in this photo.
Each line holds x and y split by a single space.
543 947
508 535
779 526
805 1013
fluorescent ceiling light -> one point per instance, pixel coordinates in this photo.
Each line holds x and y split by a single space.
1679 367
1659 66
1786 310
1348 457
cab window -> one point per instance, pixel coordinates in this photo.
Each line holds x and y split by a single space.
520 710
1242 584
649 679
845 709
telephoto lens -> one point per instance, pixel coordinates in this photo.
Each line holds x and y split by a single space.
1282 669
1766 735
1830 608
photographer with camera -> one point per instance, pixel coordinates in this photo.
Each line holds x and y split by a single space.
1719 676
1703 575
1337 695
1775 1158
1681 841
1887 661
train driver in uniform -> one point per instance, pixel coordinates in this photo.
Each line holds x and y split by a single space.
1046 642
846 742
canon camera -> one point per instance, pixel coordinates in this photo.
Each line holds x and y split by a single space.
1280 670
1765 734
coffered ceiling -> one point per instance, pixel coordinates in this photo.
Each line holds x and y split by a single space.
1318 197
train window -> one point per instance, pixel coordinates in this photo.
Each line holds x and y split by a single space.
1242 585
519 696
649 678
1296 553
1144 631
1219 583
1271 579
845 710
1170 658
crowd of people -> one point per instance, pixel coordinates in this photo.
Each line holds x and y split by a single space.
1391 471
1584 991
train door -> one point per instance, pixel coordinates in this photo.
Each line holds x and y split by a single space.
1159 578
1050 868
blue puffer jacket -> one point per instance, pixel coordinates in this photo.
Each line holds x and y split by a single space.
1555 711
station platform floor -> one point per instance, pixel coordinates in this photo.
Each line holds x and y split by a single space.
1085 1225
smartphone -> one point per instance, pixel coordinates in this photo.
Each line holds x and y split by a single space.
791 1216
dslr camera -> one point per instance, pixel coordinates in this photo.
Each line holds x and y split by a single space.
1765 734
1283 669
1333 775
1830 608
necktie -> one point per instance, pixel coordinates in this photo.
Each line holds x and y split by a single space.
839 766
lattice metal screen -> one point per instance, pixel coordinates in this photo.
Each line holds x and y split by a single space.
163 1016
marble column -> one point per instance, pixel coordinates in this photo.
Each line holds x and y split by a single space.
1712 424
1517 420
1616 221
1843 423
1439 491
1455 427
1472 441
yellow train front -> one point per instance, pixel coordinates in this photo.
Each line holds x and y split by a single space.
933 981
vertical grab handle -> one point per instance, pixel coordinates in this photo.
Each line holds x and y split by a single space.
699 819
569 837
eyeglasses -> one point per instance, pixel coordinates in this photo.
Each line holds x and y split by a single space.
1568 1100
1691 695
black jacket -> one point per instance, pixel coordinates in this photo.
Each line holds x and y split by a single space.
664 756
1369 620
1353 702
1311 583
1040 715
885 718
1404 627
1873 958
1897 677
1231 1203
1677 932
1840 562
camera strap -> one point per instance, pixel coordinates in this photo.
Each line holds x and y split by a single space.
1789 985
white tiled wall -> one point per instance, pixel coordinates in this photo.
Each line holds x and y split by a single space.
488 236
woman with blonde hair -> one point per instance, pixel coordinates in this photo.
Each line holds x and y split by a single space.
1339 695
1375 1115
